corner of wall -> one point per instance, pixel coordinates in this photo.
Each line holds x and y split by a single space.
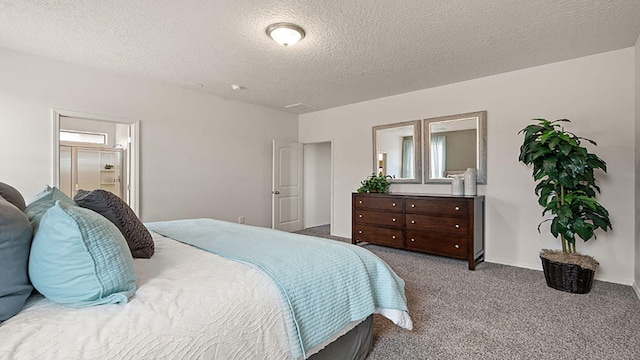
636 277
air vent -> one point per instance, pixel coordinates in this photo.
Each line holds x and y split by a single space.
300 107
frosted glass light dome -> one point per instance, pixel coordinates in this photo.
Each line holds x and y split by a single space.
285 34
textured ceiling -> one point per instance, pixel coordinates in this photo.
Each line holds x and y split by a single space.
353 51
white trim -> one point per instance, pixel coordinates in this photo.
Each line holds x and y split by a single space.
134 147
331 226
134 192
636 288
55 151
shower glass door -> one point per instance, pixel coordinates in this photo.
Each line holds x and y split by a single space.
90 169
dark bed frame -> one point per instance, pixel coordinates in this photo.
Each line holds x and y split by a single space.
354 345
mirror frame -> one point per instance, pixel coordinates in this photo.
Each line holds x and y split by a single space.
417 156
481 145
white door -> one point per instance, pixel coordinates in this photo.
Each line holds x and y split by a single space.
286 188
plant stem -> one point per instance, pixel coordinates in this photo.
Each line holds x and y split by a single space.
560 202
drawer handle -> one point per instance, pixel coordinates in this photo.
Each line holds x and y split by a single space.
413 240
394 220
394 204
457 208
393 236
457 246
413 221
359 231
413 205
457 226
360 202
360 215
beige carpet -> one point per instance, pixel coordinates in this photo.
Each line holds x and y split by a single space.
501 312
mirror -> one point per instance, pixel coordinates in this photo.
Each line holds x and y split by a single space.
453 144
397 151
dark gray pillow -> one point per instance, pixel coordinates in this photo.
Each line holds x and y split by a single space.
120 214
12 195
15 242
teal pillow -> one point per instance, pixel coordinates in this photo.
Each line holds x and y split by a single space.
79 258
42 201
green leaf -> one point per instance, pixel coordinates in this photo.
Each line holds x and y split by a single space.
565 148
583 230
554 142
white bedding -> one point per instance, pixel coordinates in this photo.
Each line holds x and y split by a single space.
190 304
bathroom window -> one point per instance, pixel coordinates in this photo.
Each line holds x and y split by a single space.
83 137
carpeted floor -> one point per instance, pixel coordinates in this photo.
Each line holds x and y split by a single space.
501 312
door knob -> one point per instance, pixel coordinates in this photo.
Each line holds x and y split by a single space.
276 192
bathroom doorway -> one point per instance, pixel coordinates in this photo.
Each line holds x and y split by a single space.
96 152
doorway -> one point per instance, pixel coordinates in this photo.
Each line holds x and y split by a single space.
96 152
318 188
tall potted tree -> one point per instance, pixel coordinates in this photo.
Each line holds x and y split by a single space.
566 188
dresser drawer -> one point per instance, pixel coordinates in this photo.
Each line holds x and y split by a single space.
386 203
449 225
379 236
433 243
378 218
447 207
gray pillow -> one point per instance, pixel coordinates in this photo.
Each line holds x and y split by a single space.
15 242
43 201
120 214
12 195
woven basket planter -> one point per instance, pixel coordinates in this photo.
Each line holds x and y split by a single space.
567 277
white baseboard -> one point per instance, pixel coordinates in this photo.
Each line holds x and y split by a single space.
636 288
342 235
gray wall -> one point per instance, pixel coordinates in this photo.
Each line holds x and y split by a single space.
595 92
200 155
457 141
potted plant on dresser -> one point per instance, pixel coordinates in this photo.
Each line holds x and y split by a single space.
375 184
566 188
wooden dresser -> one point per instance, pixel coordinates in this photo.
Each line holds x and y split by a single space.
445 225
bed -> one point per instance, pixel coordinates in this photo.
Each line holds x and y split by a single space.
197 303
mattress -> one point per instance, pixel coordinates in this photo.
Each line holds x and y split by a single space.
190 304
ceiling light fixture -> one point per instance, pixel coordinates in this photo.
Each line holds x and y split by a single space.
285 34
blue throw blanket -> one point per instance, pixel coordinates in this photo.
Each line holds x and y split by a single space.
326 283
